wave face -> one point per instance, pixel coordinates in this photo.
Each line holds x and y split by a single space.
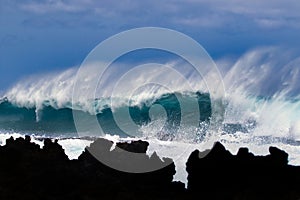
59 121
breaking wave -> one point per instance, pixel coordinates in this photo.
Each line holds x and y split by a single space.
262 99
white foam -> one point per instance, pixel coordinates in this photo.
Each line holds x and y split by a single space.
179 152
74 147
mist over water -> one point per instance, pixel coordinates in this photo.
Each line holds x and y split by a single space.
263 86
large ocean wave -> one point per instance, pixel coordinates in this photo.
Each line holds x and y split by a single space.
262 99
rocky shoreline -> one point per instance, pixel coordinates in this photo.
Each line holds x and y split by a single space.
29 172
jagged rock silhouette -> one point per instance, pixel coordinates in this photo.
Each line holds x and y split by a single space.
28 172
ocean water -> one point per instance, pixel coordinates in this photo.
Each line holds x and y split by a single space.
261 108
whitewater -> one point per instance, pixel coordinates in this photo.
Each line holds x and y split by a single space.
261 108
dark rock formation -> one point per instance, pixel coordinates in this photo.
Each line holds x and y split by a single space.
28 172
220 175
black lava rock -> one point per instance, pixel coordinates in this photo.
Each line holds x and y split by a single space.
29 172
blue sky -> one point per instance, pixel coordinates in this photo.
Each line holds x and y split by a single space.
46 35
